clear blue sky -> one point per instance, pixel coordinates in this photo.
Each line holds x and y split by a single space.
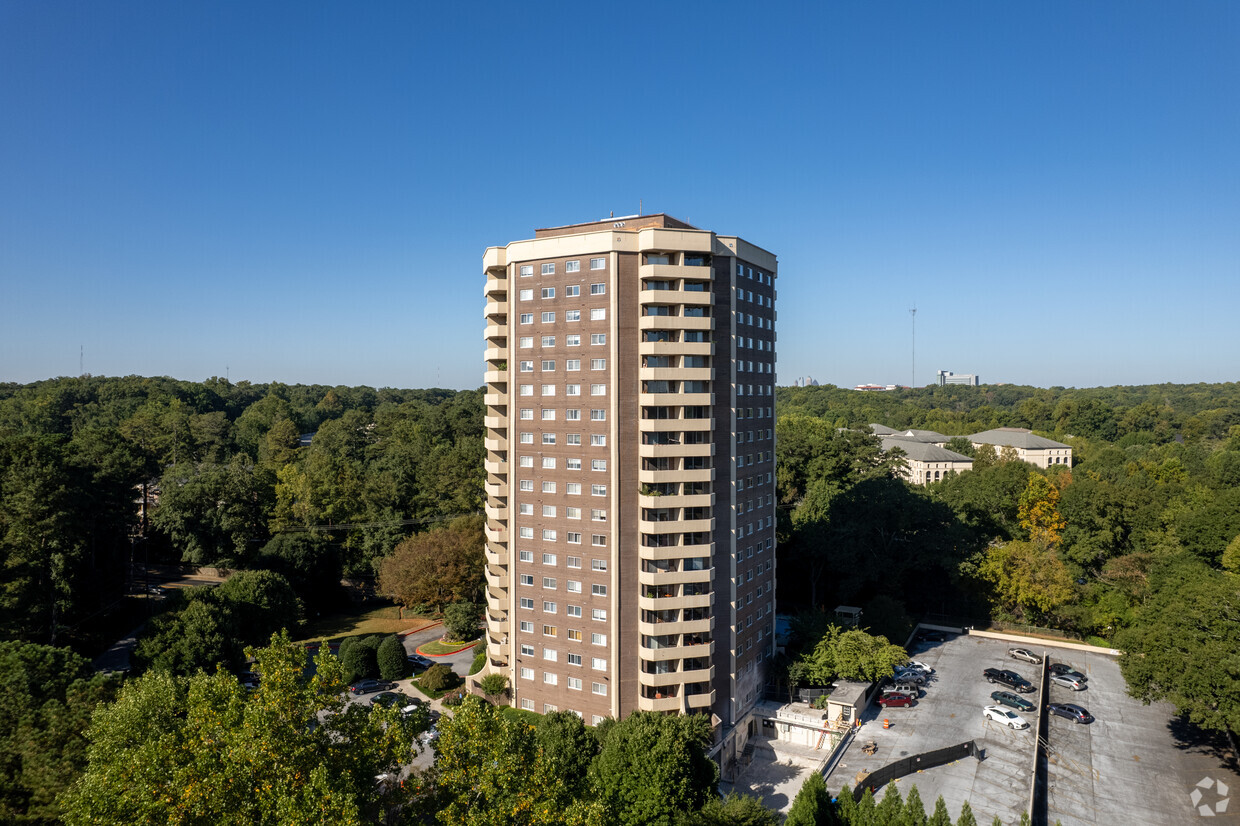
303 191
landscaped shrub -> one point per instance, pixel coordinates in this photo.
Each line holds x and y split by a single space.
493 685
438 677
454 698
391 657
460 620
359 662
480 657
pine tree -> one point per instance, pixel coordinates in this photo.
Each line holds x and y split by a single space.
914 809
812 803
890 811
940 816
846 808
866 810
966 815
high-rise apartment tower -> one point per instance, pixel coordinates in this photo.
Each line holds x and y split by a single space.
630 437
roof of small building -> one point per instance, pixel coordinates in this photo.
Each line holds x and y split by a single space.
882 430
848 693
923 451
1013 437
928 436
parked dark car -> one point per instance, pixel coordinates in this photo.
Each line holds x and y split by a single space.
371 686
418 661
895 699
391 698
928 635
1009 678
1065 670
1075 713
1007 698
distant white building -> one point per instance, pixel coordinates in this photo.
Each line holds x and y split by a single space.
805 381
948 377
927 461
1029 448
875 388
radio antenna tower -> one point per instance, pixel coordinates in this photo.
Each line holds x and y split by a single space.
913 316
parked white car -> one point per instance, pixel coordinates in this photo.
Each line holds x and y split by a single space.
1007 718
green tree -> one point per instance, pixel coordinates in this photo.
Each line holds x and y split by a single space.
46 699
914 809
460 620
490 771
260 603
940 816
437 567
733 810
811 805
653 766
890 810
204 750
961 445
196 637
966 815
1231 556
493 685
214 512
1184 647
438 678
566 747
311 563
391 658
852 655
1028 579
866 810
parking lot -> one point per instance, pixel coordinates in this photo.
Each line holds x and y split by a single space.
1125 767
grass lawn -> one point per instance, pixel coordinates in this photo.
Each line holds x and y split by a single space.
369 618
435 648
434 695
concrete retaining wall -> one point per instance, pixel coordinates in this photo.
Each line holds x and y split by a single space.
1035 641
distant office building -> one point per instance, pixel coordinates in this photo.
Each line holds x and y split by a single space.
1029 448
875 388
630 438
805 381
948 377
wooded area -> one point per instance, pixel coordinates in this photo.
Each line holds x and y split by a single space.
1137 546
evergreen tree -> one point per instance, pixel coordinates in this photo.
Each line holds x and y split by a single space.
966 815
391 657
811 804
846 807
890 811
866 810
914 809
940 816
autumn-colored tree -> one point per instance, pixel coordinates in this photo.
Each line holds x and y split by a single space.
439 566
1027 577
1039 511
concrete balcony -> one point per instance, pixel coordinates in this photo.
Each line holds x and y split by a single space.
673 577
499 468
497 625
672 603
675 348
696 298
704 701
675 451
498 594
496 577
675 373
497 603
495 490
674 322
498 536
496 283
495 512
696 675
697 500
654 477
676 399
494 555
664 704
495 354
497 377
676 526
495 259
495 443
688 627
495 399
497 310
495 422
496 331
666 425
